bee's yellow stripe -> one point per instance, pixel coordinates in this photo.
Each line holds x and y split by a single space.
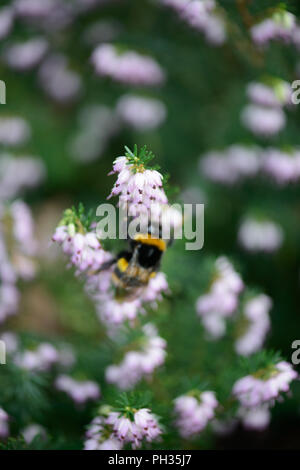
149 240
122 264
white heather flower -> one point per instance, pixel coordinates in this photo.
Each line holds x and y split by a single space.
127 67
257 324
4 427
6 21
25 55
141 113
283 167
58 81
257 418
263 121
143 427
32 431
13 131
230 165
99 436
17 174
280 26
141 363
222 298
256 235
41 359
193 412
265 386
79 391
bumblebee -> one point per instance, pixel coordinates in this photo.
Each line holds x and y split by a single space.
133 268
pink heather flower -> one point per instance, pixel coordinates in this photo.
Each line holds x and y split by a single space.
41 359
144 426
114 312
256 316
260 235
265 386
4 427
283 167
127 67
139 190
32 431
222 298
25 55
201 16
193 412
58 81
9 300
100 436
23 226
84 250
138 364
6 21
97 124
257 418
79 391
11 341
231 165
263 121
280 27
17 174
141 113
152 292
14 131
270 96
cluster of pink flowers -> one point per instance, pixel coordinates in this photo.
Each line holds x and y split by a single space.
258 392
18 174
237 162
194 411
139 189
100 436
256 324
43 358
97 124
260 235
6 21
58 81
281 26
201 15
78 390
141 363
14 131
265 116
282 166
4 424
127 67
83 249
116 429
141 113
113 311
231 165
25 55
16 231
222 298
